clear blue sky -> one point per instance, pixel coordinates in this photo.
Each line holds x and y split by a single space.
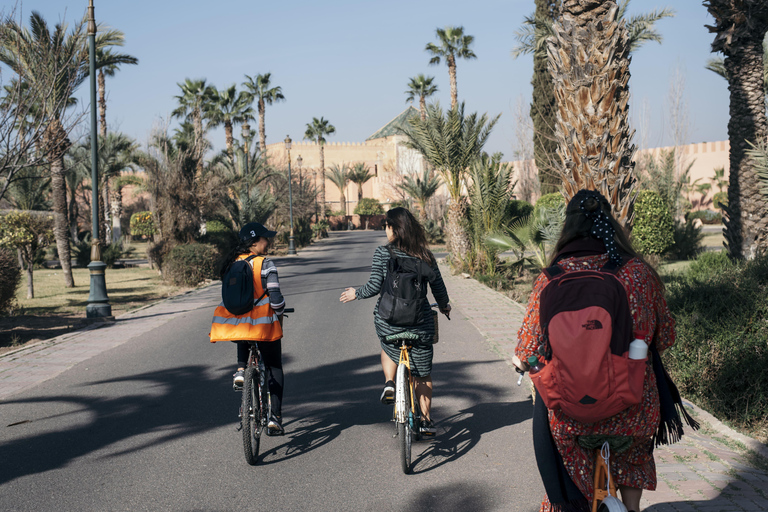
350 61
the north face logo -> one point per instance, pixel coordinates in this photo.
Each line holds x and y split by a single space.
593 325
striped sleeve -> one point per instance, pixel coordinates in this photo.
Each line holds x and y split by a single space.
438 288
271 283
378 272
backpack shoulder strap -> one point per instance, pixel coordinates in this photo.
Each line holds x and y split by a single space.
553 271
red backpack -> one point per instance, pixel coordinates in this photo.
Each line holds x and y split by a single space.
587 327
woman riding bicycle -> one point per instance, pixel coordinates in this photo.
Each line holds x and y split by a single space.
406 239
263 323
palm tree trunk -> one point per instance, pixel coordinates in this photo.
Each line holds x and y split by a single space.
423 108
73 213
102 106
458 240
262 128
322 181
746 225
117 211
359 192
592 95
106 219
197 117
343 202
452 75
228 137
60 228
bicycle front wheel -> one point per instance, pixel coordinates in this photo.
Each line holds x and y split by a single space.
251 416
403 404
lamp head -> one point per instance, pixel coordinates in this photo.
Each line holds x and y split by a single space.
287 142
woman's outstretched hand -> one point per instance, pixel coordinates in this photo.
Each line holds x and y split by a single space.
348 295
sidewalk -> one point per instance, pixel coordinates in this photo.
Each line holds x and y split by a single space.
714 469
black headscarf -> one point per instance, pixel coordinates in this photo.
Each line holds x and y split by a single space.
602 228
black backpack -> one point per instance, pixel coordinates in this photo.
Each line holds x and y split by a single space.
404 290
237 287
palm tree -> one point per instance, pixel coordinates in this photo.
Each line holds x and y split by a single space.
453 44
717 66
259 89
359 174
316 131
450 143
339 176
421 87
59 59
740 27
228 107
594 140
109 63
532 37
195 94
421 189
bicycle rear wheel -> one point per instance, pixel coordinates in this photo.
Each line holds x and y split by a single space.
251 416
404 420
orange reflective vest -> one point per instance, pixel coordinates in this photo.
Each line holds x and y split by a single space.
259 324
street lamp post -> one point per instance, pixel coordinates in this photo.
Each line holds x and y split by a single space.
299 160
246 133
291 248
98 307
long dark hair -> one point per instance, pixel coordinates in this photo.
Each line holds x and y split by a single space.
409 235
578 226
240 248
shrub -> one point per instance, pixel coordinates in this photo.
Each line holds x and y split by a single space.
709 264
517 209
320 228
687 241
189 264
110 253
157 252
653 231
552 200
142 224
720 358
706 216
720 200
434 232
217 226
368 206
400 204
10 277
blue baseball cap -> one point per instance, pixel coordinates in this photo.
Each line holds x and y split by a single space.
254 230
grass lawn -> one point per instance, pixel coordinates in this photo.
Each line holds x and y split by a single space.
56 310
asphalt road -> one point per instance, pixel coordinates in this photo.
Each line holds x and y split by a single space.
151 424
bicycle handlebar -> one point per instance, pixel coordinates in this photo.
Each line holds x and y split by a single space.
288 310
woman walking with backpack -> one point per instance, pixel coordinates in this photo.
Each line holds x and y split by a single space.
406 239
592 240
263 323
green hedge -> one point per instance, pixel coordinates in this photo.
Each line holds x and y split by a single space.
653 230
552 200
369 206
517 209
10 277
142 223
720 360
706 216
190 264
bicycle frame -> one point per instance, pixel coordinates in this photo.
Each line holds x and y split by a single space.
400 415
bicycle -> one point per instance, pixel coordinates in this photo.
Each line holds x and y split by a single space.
407 412
255 405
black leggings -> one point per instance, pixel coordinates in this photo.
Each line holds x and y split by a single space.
272 354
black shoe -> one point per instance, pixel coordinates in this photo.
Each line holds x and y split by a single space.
388 395
274 428
427 428
238 381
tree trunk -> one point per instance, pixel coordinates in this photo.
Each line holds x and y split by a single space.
452 75
589 61
746 224
322 182
343 202
359 192
60 228
228 137
543 108
458 239
30 280
73 214
117 212
102 106
262 128
197 117
423 108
